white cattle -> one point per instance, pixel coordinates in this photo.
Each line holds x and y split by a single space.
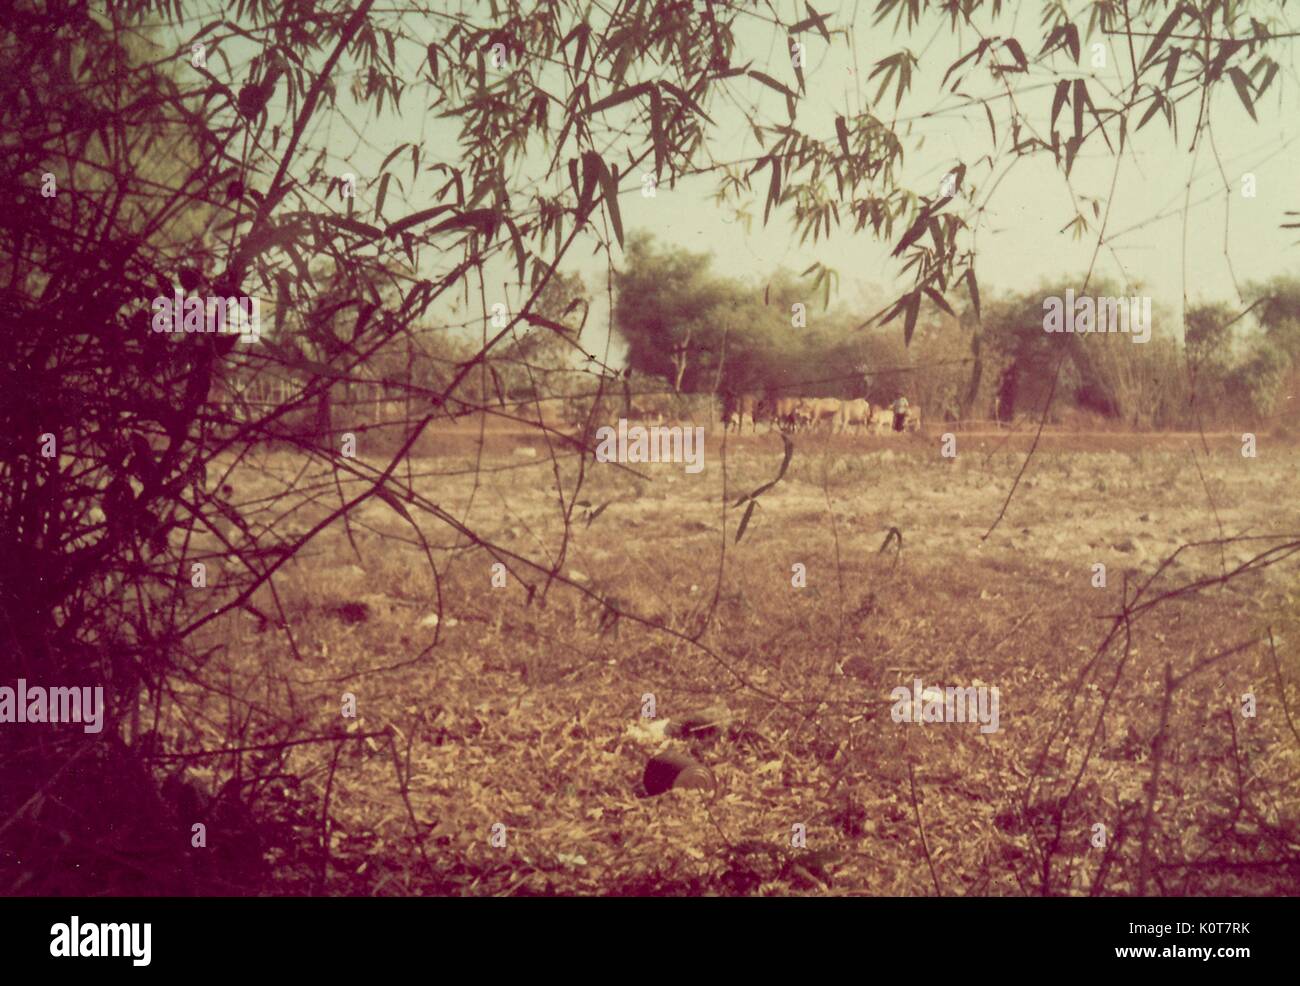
853 414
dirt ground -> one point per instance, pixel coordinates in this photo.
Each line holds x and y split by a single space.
502 721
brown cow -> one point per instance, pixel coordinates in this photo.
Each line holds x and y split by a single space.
780 412
801 414
736 408
768 409
787 413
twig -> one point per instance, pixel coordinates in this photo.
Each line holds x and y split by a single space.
403 782
1153 785
325 821
920 826
227 750
1281 686
1032 448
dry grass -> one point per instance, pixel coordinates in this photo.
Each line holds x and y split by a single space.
528 714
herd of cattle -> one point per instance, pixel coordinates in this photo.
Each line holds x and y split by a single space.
811 413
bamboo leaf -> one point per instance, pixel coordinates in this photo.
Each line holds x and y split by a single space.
1018 53
484 221
842 132
937 298
631 92
1053 39
383 194
774 189
960 62
744 521
785 464
353 226
914 233
415 219
657 132
1080 98
1228 49
1162 35
1268 77
518 243
1072 41
1171 66
771 83
974 289
1157 100
1059 99
392 154
913 309
685 99
813 19
386 495
1242 85
609 185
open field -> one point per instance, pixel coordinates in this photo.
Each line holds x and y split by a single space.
529 715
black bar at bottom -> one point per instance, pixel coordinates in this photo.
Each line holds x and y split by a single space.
1223 936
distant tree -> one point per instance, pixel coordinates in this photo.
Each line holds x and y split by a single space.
1238 360
1259 377
1277 312
675 315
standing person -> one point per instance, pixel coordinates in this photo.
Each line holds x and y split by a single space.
900 412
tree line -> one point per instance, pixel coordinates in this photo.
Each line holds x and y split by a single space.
691 331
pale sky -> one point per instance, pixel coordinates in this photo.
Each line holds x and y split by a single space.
1019 237
1151 239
